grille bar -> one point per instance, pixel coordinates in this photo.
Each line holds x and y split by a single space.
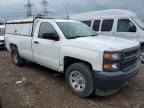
130 58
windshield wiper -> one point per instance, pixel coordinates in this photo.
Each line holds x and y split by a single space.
82 36
76 37
93 35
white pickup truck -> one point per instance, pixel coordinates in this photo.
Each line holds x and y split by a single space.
90 63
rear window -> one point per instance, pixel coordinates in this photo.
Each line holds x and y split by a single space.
96 25
107 25
87 23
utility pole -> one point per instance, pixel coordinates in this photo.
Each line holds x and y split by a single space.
45 4
67 13
29 6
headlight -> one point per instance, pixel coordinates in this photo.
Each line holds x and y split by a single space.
112 56
111 67
112 61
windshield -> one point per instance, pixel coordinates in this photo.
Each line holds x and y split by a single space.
2 31
139 22
75 30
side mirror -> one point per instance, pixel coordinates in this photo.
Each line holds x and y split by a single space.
51 36
132 29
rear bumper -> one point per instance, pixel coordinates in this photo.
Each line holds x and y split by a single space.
107 83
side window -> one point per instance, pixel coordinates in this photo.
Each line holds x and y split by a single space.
87 23
125 25
2 32
46 28
96 25
107 25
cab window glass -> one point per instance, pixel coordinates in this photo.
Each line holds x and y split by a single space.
46 28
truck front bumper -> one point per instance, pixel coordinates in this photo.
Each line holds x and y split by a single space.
108 83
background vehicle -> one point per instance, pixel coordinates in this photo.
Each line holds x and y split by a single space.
2 33
90 62
115 22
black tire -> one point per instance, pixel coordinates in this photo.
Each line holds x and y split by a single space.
142 58
17 60
84 70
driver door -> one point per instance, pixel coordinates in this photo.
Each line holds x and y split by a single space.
46 51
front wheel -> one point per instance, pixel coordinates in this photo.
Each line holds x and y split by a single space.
142 55
80 80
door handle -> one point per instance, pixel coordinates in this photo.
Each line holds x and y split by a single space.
36 42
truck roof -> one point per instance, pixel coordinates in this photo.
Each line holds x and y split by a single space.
110 13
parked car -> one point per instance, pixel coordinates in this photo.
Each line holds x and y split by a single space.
89 62
115 22
2 33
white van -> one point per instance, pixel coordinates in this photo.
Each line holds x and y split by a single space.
2 33
115 22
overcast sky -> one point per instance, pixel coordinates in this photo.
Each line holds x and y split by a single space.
16 7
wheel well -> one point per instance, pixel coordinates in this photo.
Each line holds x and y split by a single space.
70 60
142 44
12 46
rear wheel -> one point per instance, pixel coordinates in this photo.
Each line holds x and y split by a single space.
80 80
17 60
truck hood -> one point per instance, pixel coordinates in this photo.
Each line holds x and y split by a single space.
101 43
1 37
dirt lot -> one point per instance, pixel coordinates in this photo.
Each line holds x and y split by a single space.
44 88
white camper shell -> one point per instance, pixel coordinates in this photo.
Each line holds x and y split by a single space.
115 22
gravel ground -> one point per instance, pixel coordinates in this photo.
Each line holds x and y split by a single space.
34 86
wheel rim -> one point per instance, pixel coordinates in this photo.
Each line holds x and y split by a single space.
142 55
77 81
15 57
